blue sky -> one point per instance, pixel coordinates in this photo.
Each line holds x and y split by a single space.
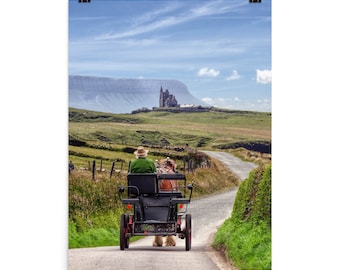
221 50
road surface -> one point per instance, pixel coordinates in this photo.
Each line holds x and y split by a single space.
240 168
207 215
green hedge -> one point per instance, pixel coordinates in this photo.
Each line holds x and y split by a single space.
246 236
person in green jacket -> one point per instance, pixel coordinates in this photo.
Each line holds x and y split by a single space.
142 164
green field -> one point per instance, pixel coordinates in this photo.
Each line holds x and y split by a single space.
106 135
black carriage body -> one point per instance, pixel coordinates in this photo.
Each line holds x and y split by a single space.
154 212
154 215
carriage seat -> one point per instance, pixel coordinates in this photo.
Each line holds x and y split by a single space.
142 184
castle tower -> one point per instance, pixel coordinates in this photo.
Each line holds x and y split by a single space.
161 98
166 99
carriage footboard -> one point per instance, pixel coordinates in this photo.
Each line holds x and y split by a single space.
154 228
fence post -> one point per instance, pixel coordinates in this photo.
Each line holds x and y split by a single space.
70 167
112 168
93 170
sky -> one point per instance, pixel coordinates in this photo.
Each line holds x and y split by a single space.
221 50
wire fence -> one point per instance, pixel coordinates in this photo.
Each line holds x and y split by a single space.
186 165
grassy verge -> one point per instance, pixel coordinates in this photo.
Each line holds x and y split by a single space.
247 245
246 236
100 230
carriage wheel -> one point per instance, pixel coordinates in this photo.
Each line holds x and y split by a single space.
187 232
127 239
124 241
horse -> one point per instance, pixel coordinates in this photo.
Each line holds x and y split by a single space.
166 166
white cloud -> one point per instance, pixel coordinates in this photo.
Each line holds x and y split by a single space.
216 102
263 76
260 105
208 72
151 15
234 76
157 20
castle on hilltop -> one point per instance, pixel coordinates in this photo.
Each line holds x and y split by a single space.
168 103
166 99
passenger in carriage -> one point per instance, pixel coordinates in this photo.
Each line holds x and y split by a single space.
167 166
142 164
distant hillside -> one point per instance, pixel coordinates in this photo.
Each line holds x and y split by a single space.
123 95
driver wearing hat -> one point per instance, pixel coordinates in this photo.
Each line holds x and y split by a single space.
142 164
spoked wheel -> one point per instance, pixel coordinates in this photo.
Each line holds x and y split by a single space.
187 232
124 240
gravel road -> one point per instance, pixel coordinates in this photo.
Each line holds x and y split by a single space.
207 215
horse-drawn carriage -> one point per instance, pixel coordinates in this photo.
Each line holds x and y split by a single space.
153 209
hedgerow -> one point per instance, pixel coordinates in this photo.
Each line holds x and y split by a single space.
246 236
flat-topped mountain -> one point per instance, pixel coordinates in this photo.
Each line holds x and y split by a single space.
123 95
